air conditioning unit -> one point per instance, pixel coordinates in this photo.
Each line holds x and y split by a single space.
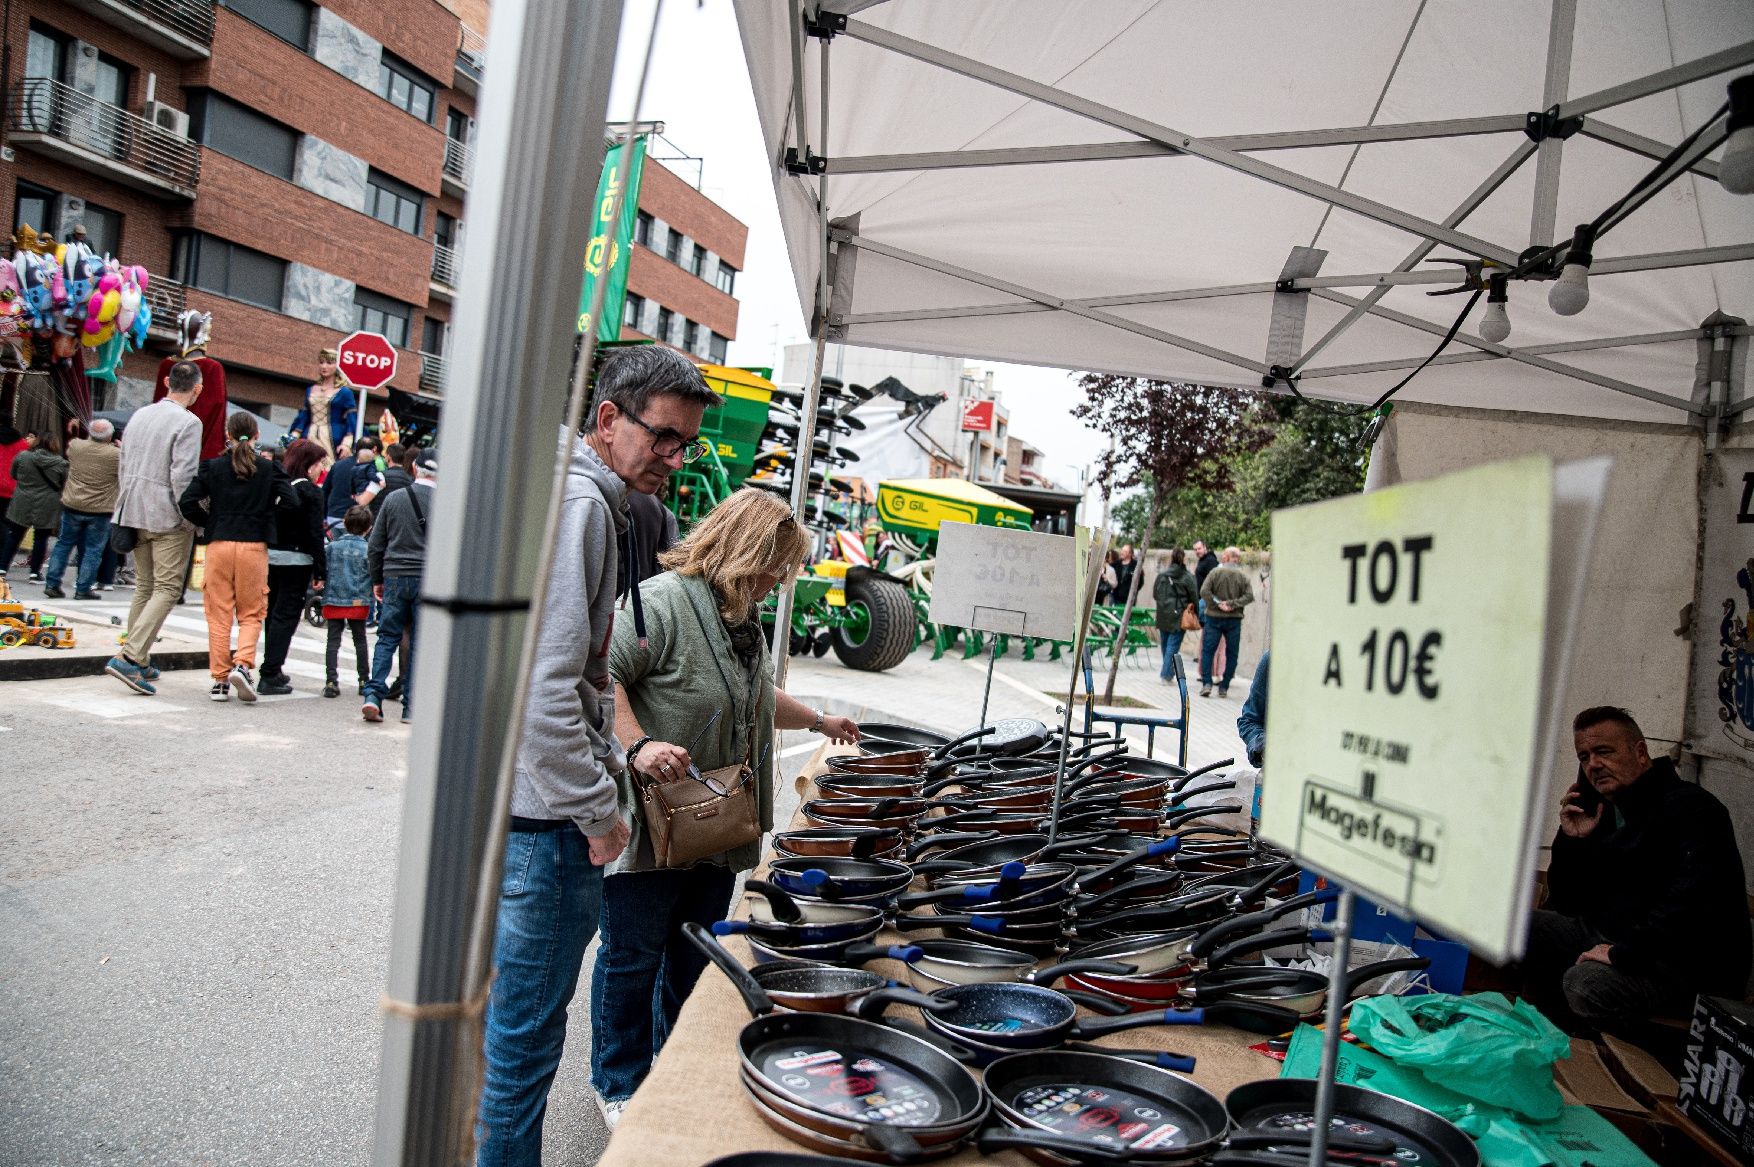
166 118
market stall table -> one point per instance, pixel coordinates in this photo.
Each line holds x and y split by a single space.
692 1109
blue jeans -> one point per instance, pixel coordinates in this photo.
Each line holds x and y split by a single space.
401 603
86 533
646 968
550 897
1172 644
1230 629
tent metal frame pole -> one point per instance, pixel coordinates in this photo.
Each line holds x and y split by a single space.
1523 152
1131 123
1653 261
1705 145
542 107
1685 73
800 121
1639 144
1534 350
1052 302
1538 362
1549 153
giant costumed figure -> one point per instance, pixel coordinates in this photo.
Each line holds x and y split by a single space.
192 332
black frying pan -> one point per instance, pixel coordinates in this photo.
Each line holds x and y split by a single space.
1287 1105
1103 1102
838 842
797 984
1023 1016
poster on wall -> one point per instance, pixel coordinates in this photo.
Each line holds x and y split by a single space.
1721 709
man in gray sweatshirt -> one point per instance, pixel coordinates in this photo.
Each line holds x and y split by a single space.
567 823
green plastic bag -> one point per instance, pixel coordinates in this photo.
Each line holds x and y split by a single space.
1480 1046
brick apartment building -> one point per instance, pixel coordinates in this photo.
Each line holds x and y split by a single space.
299 171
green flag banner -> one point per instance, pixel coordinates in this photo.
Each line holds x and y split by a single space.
606 254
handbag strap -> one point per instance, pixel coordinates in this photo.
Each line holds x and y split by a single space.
754 684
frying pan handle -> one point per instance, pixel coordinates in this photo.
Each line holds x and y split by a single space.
1096 1026
1053 972
1162 1059
754 997
820 884
988 924
1242 925
1149 851
1256 943
1259 888
940 866
1181 782
1107 1006
865 846
948 839
1382 968
1210 788
949 747
977 892
1253 1016
996 1139
893 1141
1066 846
864 952
931 788
1084 818
1176 818
872 1005
785 908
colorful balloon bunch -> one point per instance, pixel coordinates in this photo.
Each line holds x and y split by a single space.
73 291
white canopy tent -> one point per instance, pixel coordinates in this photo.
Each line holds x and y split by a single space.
1123 185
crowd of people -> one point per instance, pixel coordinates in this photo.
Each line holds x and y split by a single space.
1210 598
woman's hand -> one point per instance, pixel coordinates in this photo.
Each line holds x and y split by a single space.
662 762
840 730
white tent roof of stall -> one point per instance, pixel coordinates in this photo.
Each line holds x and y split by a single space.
1045 181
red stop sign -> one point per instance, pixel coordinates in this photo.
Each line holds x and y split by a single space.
367 360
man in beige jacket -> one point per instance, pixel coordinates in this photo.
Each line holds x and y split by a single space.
94 467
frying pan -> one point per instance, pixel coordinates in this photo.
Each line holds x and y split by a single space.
796 984
777 1159
1015 884
774 906
909 762
1023 1016
1302 991
973 855
867 1077
840 879
848 955
877 737
1252 921
838 842
903 813
1103 1102
850 784
842 1135
861 924
961 962
1287 1105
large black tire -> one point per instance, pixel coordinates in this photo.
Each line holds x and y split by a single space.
889 635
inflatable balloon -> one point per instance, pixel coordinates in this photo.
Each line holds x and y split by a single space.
142 323
36 278
128 303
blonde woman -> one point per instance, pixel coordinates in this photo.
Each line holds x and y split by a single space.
704 654
328 416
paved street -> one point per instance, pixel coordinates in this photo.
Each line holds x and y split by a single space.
195 898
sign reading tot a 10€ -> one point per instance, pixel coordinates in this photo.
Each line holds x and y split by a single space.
1408 633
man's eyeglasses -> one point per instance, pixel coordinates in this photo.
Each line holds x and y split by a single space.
668 443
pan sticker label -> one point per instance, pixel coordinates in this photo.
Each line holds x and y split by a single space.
1164 1136
799 1061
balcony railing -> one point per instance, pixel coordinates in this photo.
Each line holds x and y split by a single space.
444 265
432 374
471 53
182 28
459 161
97 136
168 299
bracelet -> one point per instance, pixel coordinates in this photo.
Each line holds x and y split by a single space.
817 728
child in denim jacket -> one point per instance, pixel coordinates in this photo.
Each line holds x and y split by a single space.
347 596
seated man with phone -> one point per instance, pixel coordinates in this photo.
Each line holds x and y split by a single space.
1646 905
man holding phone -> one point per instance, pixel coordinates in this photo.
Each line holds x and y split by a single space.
1646 903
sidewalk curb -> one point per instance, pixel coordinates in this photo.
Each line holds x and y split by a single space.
55 667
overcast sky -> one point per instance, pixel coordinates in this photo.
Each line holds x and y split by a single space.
699 87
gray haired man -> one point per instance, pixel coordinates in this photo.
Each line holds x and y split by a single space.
159 458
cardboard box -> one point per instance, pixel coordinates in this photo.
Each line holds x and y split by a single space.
1584 1079
1717 1077
1639 1071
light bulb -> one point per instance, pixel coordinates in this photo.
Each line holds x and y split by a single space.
1570 293
1495 325
1736 172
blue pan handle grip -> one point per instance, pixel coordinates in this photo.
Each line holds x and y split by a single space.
1183 1017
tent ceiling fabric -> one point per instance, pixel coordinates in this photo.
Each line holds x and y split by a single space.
1073 263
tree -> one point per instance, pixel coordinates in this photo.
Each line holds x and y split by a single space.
1168 437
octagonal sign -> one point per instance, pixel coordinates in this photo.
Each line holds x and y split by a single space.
367 360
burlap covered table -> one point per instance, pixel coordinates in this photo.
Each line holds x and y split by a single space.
692 1108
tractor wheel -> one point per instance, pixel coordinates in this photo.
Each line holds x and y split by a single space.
10 637
45 640
878 632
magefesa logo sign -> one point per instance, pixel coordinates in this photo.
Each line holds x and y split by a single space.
1397 842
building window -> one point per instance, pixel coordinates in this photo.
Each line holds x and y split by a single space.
662 332
632 310
690 335
33 207
214 265
402 86
432 336
103 229
393 202
673 247
726 279
715 348
444 230
290 20
382 314
240 132
697 265
642 229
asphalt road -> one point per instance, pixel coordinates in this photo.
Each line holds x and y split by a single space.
195 900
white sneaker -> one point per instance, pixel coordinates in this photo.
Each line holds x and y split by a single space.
243 682
220 692
611 1111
